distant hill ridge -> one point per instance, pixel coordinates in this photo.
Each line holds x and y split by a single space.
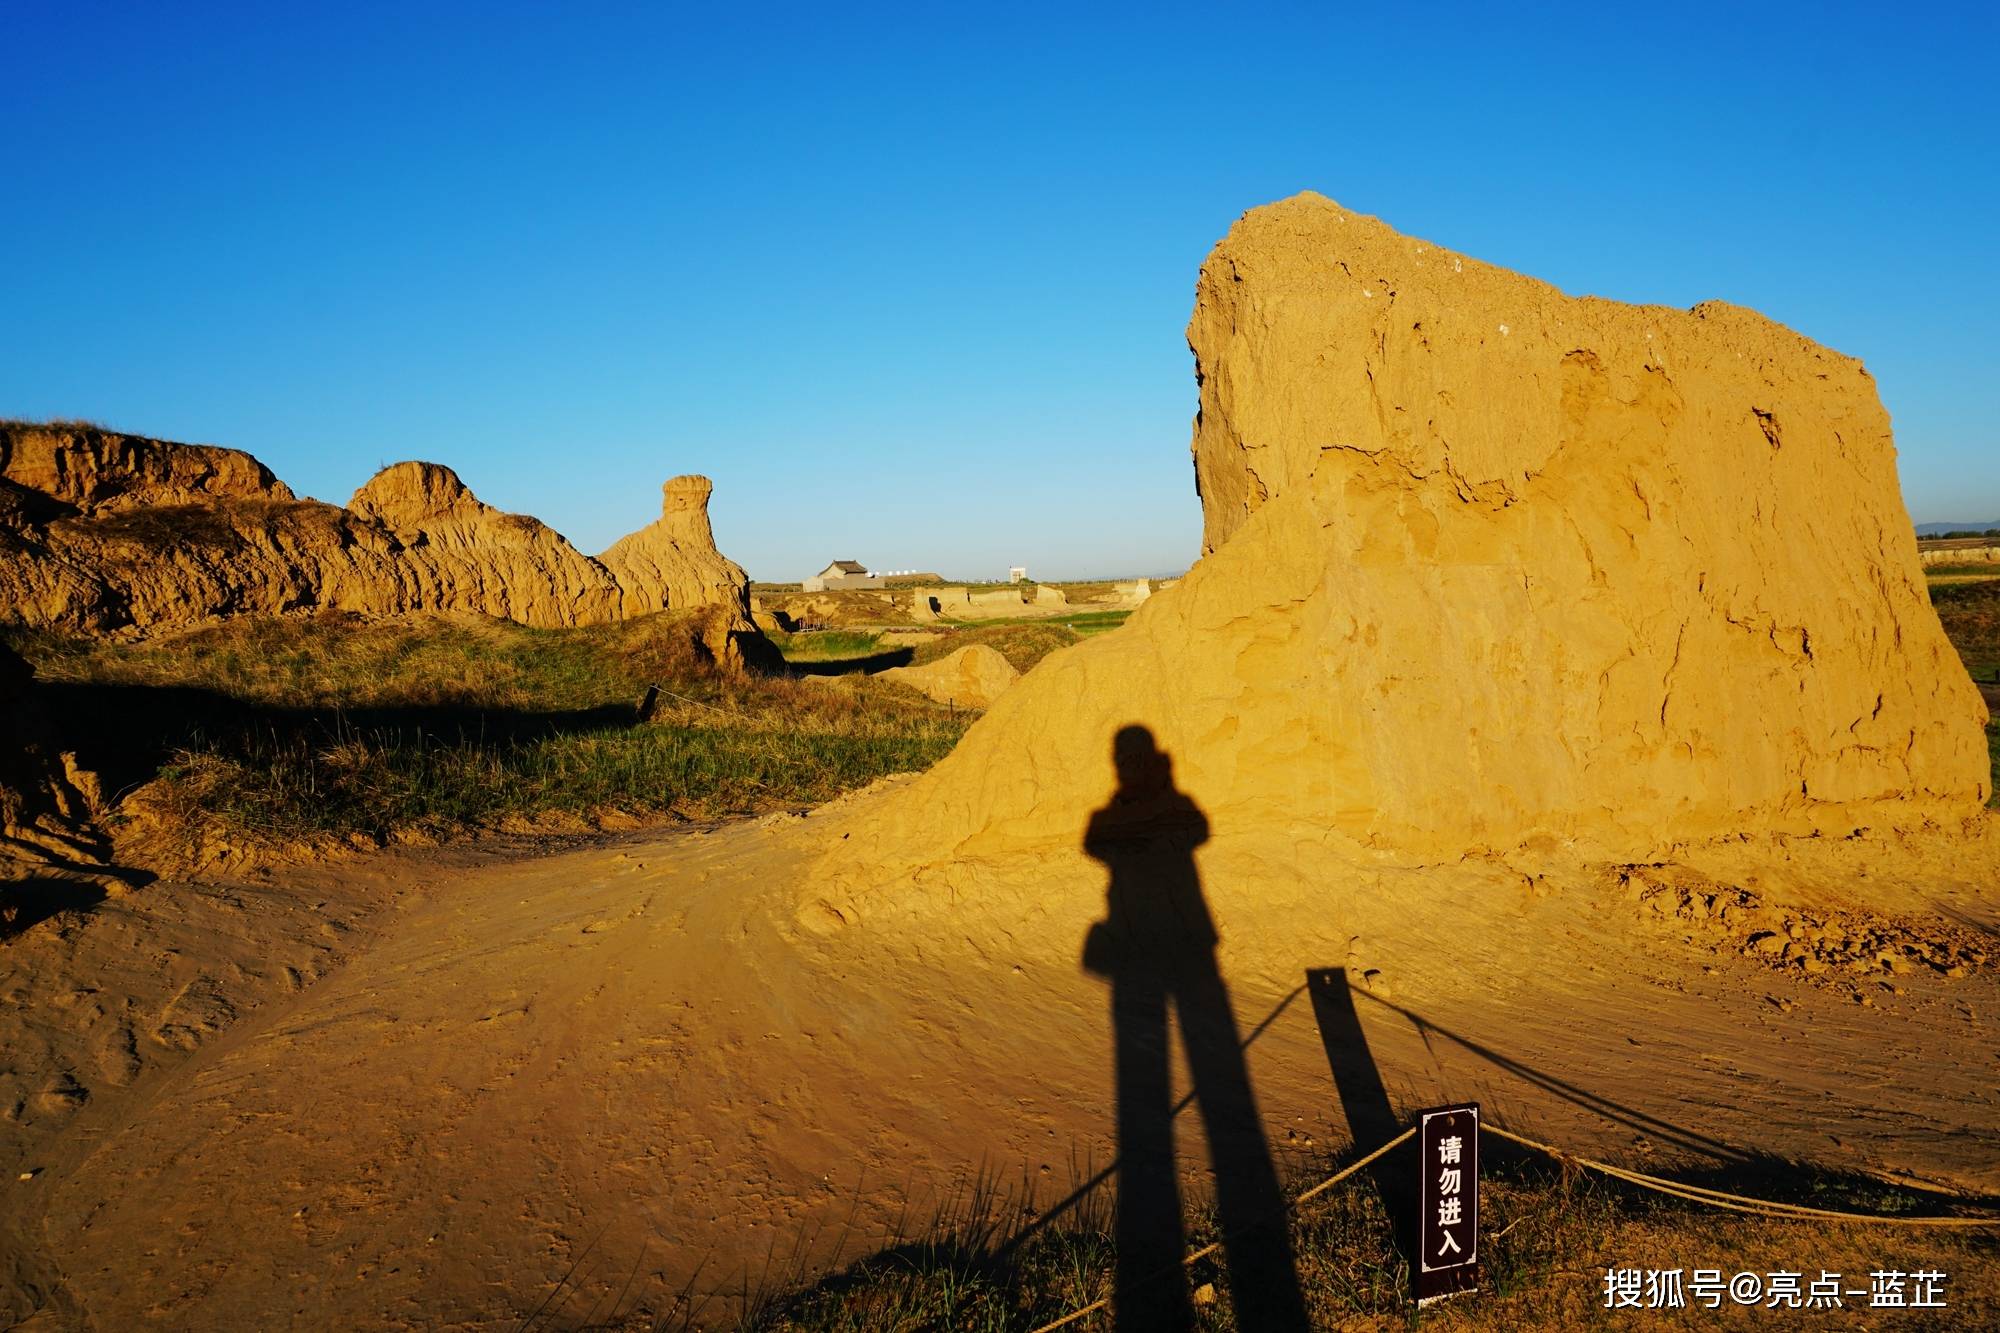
102 531
1940 529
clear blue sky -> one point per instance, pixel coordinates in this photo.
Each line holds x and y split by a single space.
910 284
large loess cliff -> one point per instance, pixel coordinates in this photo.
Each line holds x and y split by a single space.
105 532
1488 567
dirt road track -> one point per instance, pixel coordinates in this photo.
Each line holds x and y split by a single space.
421 1091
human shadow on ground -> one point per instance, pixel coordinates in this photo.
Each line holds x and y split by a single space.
1156 945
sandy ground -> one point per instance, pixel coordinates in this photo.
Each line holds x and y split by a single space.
450 1089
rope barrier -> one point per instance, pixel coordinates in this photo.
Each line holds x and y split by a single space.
1736 1202
1692 1193
696 702
1213 1246
1082 1191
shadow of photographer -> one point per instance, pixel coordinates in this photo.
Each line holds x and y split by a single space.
1156 945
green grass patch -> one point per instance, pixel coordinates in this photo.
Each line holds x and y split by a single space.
1971 619
1096 622
269 733
1993 757
380 782
831 645
1084 622
1022 642
342 661
1970 614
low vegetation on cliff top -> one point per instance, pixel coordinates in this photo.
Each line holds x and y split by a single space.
1970 613
1022 642
264 735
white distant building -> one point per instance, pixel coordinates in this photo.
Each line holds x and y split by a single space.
1017 574
841 574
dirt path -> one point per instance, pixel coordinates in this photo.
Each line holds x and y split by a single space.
417 1092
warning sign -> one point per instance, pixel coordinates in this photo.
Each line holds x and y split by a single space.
1447 1201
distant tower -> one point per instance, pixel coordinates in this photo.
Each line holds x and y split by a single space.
1018 574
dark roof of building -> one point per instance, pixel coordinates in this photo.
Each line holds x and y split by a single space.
849 566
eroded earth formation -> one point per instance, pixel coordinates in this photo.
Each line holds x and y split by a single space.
102 532
108 533
1556 719
1488 567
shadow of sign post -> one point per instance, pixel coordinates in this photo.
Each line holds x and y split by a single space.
1371 1120
1432 1202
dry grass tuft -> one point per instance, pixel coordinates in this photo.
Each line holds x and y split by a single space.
1549 1234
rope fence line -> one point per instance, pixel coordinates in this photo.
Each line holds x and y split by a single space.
684 699
1738 1202
1080 1192
1215 1245
1692 1193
